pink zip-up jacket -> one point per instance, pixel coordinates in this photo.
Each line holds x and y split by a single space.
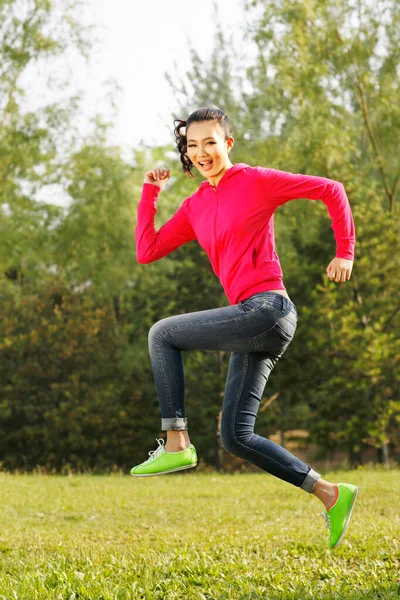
234 223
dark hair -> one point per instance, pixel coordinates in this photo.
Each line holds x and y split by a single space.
206 113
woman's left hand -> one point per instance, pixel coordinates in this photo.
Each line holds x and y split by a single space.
339 269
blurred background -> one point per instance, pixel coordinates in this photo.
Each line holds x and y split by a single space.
88 94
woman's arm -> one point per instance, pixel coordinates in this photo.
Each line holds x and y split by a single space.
151 245
281 186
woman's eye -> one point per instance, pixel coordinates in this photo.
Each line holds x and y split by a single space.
192 145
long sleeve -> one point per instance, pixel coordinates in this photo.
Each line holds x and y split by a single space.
281 186
151 245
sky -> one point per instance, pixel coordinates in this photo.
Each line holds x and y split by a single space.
139 42
136 42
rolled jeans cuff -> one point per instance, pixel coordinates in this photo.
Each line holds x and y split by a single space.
310 481
175 424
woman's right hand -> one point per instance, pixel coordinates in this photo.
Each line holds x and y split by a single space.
158 177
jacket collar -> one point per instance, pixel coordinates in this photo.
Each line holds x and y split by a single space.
229 173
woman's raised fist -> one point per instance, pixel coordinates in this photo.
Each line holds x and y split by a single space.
157 177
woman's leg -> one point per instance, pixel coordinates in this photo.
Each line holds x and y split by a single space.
257 331
214 329
247 376
326 492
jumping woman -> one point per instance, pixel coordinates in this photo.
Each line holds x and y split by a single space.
231 216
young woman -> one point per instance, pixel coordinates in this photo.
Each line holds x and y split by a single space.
231 216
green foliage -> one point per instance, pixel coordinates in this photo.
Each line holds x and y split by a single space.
357 332
320 96
330 97
32 143
60 376
94 242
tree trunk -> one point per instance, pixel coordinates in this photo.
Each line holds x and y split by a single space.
383 454
218 448
282 438
355 457
283 419
219 451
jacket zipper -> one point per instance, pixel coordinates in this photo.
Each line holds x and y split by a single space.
215 221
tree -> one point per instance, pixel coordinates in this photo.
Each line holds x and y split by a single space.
328 82
33 143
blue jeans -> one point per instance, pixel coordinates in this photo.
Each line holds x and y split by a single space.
257 331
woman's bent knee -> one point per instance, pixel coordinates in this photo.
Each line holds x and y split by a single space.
231 442
158 330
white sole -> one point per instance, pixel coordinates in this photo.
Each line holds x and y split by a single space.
348 519
164 472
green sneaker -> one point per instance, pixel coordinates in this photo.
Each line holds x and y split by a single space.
162 462
337 518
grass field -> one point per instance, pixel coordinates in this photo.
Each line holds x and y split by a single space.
194 536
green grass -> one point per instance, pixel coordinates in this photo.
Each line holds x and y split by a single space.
194 536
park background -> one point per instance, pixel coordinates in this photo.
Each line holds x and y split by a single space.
310 87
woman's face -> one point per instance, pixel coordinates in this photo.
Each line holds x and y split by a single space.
207 148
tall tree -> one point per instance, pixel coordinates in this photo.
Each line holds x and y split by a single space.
328 82
33 142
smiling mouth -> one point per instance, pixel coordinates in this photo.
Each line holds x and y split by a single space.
206 165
